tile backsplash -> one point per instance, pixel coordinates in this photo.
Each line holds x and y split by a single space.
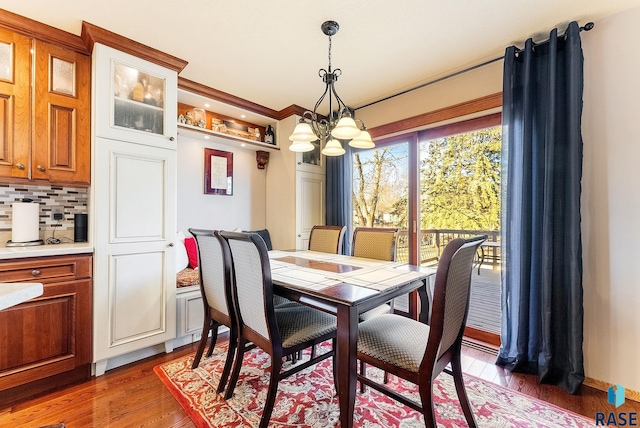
72 200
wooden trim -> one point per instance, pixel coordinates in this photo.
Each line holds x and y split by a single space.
630 394
451 112
93 34
40 31
217 95
293 109
224 97
469 125
482 336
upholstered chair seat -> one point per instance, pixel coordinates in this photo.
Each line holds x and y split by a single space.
394 339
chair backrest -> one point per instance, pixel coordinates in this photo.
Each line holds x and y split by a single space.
375 243
451 294
327 239
252 287
264 234
215 274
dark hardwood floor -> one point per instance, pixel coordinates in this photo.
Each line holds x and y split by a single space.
133 396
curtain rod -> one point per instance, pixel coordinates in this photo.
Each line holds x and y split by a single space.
587 27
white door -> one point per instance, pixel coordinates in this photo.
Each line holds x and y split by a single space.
134 191
310 190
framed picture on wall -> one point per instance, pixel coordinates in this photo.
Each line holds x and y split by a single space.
218 172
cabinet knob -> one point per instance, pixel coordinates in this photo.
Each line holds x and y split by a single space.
40 168
171 138
299 236
20 165
35 272
171 244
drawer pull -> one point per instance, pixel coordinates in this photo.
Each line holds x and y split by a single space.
20 166
35 272
40 168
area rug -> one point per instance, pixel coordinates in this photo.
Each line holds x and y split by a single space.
307 399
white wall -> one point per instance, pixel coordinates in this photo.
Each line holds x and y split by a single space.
611 200
244 209
281 189
484 81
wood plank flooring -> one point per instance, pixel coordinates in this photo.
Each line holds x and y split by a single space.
133 396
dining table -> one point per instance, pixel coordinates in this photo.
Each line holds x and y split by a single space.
347 286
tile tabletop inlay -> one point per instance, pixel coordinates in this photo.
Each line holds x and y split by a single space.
12 294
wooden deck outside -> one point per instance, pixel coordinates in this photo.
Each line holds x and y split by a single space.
485 303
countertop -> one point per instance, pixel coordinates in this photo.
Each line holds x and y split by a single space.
12 294
45 250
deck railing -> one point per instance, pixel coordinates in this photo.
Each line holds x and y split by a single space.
433 241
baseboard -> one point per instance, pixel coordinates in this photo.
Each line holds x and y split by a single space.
479 345
630 394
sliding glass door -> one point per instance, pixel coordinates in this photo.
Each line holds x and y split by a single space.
436 185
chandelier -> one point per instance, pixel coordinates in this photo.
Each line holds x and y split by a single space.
339 123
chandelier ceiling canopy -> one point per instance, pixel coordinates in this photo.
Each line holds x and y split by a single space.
339 123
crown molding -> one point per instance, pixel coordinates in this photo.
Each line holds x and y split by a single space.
92 34
38 30
224 97
468 107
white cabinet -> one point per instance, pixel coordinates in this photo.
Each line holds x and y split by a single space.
310 201
312 161
133 205
190 314
134 100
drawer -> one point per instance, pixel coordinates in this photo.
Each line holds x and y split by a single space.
46 269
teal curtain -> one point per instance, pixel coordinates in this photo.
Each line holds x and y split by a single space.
542 308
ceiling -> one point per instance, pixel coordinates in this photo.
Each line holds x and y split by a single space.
269 52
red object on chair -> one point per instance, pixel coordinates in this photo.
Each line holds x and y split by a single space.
192 251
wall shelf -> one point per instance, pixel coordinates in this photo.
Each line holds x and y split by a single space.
203 133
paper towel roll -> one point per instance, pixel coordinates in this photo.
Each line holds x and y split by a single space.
25 222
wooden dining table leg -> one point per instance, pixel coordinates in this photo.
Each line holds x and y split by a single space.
346 359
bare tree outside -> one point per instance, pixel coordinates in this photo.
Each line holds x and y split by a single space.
459 183
379 182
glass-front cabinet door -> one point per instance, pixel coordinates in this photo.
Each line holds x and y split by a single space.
136 100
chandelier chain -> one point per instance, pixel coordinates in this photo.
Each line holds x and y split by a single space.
329 54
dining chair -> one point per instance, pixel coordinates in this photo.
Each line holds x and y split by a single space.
327 239
375 243
417 352
280 333
215 286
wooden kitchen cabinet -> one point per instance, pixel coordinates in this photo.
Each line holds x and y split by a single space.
62 124
46 341
15 104
48 140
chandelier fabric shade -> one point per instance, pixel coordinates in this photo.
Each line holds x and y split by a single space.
339 123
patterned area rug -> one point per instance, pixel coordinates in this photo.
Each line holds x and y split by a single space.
307 399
